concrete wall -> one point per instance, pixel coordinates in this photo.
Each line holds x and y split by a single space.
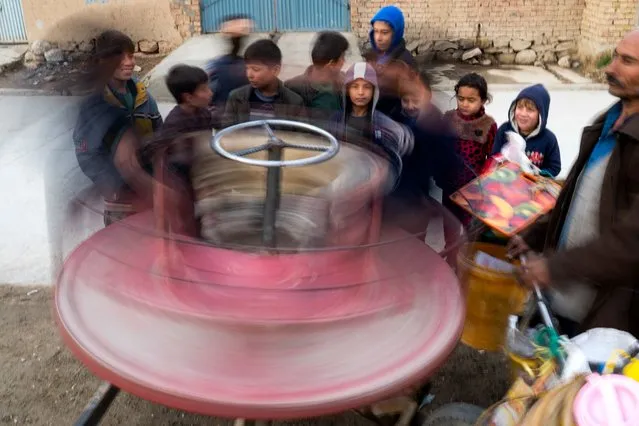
74 20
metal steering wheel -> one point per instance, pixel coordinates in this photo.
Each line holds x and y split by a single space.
277 144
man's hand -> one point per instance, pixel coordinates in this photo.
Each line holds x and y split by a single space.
516 247
535 271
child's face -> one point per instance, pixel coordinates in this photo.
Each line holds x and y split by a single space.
526 116
469 101
383 35
124 70
416 100
361 92
200 98
261 75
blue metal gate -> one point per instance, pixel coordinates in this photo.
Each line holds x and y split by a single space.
262 11
12 22
280 15
313 15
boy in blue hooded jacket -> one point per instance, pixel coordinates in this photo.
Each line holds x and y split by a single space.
528 116
388 55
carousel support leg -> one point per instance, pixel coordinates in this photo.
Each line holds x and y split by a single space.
404 406
272 202
98 405
244 422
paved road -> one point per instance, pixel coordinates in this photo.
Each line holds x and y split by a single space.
38 167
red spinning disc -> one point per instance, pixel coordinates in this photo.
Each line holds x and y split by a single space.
234 334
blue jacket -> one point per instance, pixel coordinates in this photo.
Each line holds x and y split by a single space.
226 74
395 139
100 125
394 17
389 64
541 145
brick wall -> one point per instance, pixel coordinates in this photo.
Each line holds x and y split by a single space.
452 19
186 14
595 24
604 23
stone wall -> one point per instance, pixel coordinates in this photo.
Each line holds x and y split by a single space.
501 51
187 16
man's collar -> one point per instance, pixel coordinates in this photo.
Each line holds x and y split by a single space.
630 127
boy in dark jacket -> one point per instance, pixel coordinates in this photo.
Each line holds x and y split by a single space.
528 116
173 149
189 87
265 97
321 84
111 125
388 55
228 72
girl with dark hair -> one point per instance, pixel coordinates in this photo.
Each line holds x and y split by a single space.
475 131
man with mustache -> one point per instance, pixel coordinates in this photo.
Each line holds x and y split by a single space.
590 241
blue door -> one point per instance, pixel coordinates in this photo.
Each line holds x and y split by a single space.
280 15
12 22
213 11
313 15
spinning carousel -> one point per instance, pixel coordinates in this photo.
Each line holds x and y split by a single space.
299 297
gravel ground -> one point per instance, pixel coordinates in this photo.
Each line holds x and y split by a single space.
42 384
64 78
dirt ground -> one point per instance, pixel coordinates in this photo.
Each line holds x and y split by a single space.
65 78
42 384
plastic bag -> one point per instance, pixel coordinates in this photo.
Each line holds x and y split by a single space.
517 342
599 344
576 362
515 151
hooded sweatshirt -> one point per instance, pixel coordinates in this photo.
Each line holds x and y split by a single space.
394 17
541 145
392 64
396 140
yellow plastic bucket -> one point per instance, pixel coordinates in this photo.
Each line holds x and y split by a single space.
492 296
